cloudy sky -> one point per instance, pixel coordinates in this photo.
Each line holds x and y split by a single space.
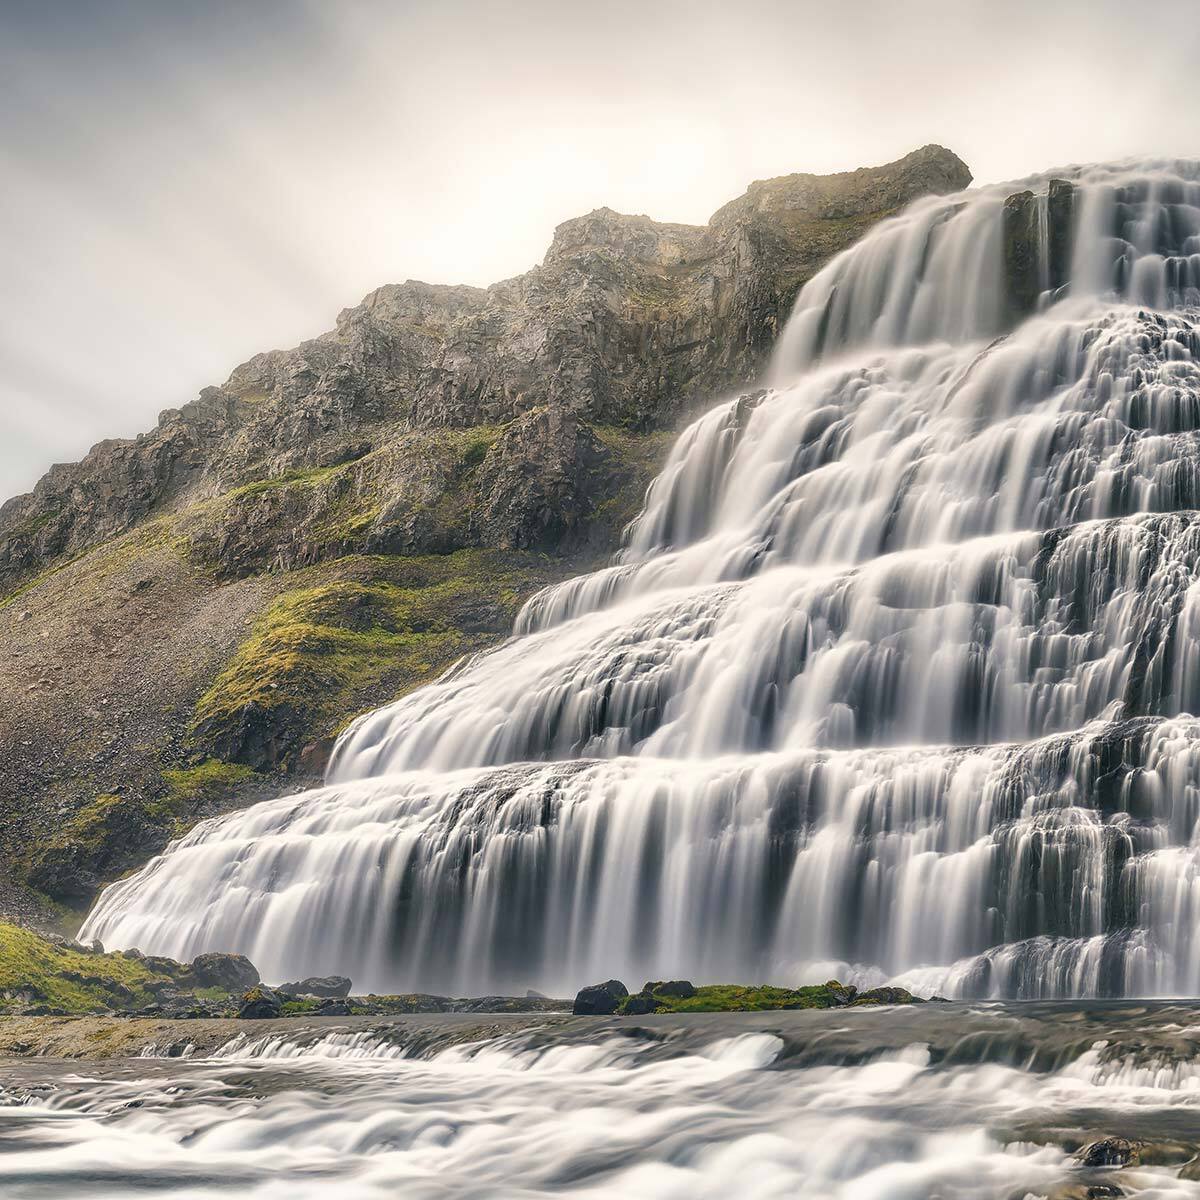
186 182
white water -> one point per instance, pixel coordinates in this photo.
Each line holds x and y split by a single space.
891 680
357 1116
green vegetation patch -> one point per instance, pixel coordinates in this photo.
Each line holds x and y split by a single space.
640 456
190 787
731 997
363 631
35 970
304 477
113 834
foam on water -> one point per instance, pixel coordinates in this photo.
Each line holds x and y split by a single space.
349 1114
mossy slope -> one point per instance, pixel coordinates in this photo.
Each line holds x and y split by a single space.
362 631
35 970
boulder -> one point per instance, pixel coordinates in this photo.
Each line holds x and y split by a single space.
163 966
600 999
886 995
1110 1152
841 993
233 972
334 987
639 1005
679 988
260 1003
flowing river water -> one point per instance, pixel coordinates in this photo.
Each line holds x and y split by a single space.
951 1101
893 680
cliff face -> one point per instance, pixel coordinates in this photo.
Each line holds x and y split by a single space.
190 613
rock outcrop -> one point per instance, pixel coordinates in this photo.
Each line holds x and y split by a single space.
600 999
627 322
190 615
260 1003
333 987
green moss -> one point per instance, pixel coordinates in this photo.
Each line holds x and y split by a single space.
90 825
305 477
190 787
66 979
729 997
297 1008
321 653
476 442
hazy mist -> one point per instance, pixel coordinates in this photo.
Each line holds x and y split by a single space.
182 185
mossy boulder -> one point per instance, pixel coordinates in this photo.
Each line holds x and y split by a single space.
682 996
260 1003
884 995
333 987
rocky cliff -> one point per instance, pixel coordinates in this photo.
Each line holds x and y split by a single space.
192 614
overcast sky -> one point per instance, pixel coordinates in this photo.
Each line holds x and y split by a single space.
186 182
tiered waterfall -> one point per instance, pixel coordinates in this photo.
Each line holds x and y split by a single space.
891 680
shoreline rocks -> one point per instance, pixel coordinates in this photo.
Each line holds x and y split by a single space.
333 987
680 995
600 999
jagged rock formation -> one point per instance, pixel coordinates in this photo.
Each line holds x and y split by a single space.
191 612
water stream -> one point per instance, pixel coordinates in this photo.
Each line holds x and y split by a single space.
961 1103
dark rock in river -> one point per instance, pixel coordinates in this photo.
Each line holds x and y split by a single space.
601 999
261 1003
639 1005
886 995
334 987
1111 1152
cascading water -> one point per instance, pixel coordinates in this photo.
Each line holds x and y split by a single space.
891 680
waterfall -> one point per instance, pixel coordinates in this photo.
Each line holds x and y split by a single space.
891 679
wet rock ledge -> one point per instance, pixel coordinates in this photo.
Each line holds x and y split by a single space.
681 996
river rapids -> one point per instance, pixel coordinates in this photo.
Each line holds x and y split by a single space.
958 1102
